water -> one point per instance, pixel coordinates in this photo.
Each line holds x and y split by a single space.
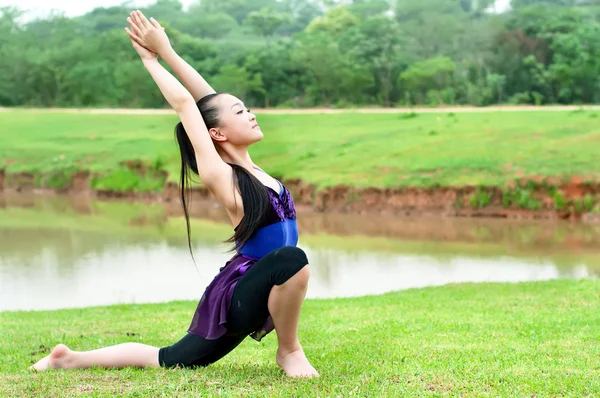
57 253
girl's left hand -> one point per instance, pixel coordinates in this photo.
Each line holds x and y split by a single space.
148 33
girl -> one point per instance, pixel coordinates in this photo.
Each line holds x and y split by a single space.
263 286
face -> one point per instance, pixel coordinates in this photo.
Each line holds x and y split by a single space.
237 125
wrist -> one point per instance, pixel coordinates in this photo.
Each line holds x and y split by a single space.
167 54
150 62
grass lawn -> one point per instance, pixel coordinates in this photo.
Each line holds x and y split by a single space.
383 150
527 339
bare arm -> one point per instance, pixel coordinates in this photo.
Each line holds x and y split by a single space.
191 79
149 34
213 171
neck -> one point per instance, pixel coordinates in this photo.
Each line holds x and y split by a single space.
235 155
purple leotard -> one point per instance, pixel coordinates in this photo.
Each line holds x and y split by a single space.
278 230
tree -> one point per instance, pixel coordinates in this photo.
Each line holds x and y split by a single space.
335 75
104 19
576 67
207 25
302 13
238 81
334 22
238 9
496 83
283 79
435 73
12 62
369 8
265 22
377 44
315 52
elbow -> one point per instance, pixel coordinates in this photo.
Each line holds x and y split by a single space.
179 105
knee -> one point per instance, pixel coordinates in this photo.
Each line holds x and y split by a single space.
291 262
293 256
303 275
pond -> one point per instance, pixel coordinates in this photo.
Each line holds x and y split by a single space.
63 253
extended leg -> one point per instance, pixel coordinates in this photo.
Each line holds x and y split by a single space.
117 356
190 351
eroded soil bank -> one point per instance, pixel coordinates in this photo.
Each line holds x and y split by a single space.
574 198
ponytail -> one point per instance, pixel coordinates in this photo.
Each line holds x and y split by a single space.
255 197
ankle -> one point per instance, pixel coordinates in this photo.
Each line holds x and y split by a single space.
285 349
63 358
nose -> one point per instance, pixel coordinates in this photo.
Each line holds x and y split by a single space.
252 116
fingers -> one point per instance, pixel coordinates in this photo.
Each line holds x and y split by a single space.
132 35
134 27
143 20
155 23
138 21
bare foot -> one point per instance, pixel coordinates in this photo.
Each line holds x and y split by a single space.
58 358
295 364
42 364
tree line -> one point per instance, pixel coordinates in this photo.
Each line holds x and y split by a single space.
314 53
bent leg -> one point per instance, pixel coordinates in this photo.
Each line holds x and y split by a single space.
276 285
250 300
285 303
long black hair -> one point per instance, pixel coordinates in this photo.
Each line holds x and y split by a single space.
255 197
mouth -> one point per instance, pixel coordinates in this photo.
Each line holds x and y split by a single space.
255 126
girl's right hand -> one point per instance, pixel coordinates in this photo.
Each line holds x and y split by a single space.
144 53
148 34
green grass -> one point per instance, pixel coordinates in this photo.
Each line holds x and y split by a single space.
383 150
528 339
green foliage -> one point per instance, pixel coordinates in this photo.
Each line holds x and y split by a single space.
588 202
58 178
585 204
521 197
430 77
315 53
235 79
480 198
125 180
264 22
334 22
560 202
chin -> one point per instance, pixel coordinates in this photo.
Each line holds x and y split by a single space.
258 136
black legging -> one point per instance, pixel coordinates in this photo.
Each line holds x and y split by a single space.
248 311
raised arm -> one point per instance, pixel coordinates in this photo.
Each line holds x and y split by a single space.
149 34
213 171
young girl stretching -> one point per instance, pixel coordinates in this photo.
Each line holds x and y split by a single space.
263 286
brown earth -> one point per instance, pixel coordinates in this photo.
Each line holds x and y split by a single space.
557 198
529 236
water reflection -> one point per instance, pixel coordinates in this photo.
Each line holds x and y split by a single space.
54 254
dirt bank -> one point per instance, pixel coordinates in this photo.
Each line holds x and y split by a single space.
528 198
532 237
